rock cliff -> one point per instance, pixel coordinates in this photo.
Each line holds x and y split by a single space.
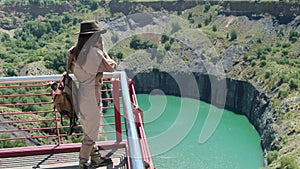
240 96
194 69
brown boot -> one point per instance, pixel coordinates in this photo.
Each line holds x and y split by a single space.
84 165
97 160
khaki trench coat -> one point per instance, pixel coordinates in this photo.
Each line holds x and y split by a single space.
89 76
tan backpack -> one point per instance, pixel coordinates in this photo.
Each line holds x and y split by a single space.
63 100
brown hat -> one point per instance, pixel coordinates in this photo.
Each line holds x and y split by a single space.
88 27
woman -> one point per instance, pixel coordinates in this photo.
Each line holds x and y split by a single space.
88 60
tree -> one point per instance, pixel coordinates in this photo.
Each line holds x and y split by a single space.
167 46
114 38
4 37
67 17
93 5
293 35
272 155
135 42
207 20
207 7
119 55
37 29
214 28
199 25
293 83
164 38
233 35
33 1
262 64
289 163
55 23
190 15
11 143
268 74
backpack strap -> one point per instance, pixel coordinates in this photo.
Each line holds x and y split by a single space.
61 120
70 59
72 124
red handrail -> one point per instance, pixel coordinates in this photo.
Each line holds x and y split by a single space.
19 117
56 125
139 119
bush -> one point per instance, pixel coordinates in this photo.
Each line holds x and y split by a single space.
119 55
283 91
246 57
285 52
207 20
253 63
199 25
278 44
137 43
192 21
259 40
11 143
284 79
293 35
268 74
114 38
293 83
272 155
282 61
286 44
10 70
172 40
214 28
263 63
207 7
190 15
268 49
288 163
4 37
263 57
167 46
164 38
233 35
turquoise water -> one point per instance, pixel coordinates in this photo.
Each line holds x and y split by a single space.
173 126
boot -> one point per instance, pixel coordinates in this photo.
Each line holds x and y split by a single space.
83 165
97 160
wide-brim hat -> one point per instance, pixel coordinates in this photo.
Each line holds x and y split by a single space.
90 27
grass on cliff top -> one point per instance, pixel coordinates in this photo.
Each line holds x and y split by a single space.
272 60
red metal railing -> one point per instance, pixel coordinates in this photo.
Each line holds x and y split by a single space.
139 119
26 114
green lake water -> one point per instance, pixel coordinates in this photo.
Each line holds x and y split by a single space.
173 126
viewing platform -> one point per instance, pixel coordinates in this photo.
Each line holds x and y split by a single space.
61 161
32 135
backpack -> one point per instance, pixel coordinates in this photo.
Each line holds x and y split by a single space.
63 100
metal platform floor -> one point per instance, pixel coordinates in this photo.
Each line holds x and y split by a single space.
61 161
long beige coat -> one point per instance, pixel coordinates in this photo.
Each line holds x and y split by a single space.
89 76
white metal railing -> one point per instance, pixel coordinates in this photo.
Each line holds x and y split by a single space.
134 147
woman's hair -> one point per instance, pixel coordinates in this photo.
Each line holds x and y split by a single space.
85 41
82 39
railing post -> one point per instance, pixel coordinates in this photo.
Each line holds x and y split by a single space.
116 96
133 138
